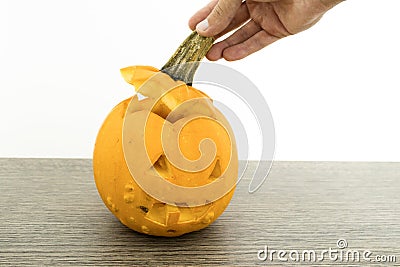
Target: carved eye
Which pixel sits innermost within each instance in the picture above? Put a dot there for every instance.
(216, 173)
(162, 167)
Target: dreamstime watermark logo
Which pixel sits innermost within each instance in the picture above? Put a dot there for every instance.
(340, 253)
(169, 115)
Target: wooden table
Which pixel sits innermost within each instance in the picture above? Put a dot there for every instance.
(52, 215)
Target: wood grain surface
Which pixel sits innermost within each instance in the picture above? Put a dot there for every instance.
(52, 215)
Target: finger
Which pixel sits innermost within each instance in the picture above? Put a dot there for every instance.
(241, 16)
(219, 18)
(241, 35)
(201, 14)
(255, 43)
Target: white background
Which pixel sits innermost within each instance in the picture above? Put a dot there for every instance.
(334, 90)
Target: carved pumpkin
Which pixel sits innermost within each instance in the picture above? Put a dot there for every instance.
(150, 163)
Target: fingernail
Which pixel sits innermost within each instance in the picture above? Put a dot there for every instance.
(202, 26)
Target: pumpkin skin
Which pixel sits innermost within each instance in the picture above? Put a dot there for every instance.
(146, 119)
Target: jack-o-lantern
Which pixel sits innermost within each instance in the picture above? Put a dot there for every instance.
(165, 160)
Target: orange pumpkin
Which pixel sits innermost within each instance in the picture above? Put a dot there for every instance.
(154, 165)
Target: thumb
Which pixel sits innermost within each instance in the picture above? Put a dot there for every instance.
(219, 18)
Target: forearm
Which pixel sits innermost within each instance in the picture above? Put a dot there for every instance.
(331, 3)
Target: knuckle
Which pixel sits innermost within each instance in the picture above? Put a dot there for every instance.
(219, 11)
(211, 6)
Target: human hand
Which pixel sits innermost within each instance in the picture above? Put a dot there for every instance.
(265, 21)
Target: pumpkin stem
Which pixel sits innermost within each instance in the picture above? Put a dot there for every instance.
(192, 50)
